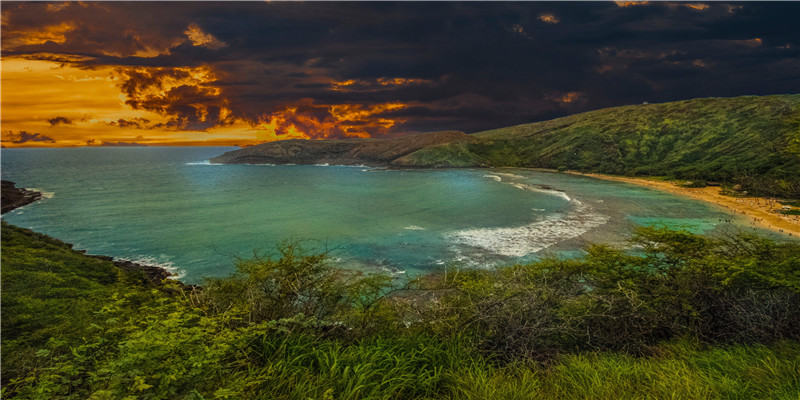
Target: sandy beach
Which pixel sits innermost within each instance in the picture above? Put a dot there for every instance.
(759, 210)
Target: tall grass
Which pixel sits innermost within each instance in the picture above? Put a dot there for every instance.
(413, 369)
(378, 368)
(474, 338)
(684, 371)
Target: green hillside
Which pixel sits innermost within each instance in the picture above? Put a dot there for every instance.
(752, 140)
(689, 317)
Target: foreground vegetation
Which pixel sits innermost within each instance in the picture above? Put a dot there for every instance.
(752, 141)
(683, 316)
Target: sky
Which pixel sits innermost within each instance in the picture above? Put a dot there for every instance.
(240, 73)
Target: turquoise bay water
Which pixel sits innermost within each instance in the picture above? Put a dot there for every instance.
(169, 206)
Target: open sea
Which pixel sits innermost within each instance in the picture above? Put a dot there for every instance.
(169, 206)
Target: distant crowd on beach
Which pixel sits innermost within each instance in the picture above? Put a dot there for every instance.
(766, 207)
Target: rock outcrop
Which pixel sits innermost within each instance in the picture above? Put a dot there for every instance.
(14, 197)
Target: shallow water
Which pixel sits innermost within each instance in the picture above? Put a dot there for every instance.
(169, 206)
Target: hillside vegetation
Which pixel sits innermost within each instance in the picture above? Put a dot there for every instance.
(373, 152)
(686, 317)
(752, 140)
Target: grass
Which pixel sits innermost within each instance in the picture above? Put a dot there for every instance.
(52, 293)
(75, 327)
(751, 140)
(685, 371)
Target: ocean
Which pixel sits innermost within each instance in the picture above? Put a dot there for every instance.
(169, 206)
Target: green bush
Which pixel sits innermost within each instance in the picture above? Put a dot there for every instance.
(752, 141)
(741, 289)
(301, 286)
(678, 315)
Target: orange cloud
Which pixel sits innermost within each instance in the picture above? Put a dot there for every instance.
(51, 33)
(671, 5)
(569, 97)
(307, 120)
(376, 84)
(56, 7)
(401, 81)
(697, 6)
(755, 42)
(358, 112)
(200, 38)
(48, 104)
(39, 97)
(186, 95)
(630, 3)
(341, 84)
(519, 30)
(548, 18)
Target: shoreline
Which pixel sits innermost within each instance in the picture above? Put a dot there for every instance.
(758, 210)
(152, 274)
(14, 197)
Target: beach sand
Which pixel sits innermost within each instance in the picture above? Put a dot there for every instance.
(759, 210)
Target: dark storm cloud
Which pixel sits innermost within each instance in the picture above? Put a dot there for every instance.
(466, 66)
(136, 123)
(184, 94)
(59, 120)
(25, 137)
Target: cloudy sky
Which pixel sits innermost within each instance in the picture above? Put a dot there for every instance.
(210, 73)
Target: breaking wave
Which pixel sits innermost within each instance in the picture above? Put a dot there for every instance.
(526, 239)
(206, 162)
(532, 188)
(510, 175)
(45, 194)
(169, 266)
(525, 186)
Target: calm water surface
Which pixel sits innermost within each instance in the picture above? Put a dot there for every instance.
(169, 206)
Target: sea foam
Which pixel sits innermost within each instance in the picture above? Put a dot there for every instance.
(522, 240)
(206, 162)
(526, 239)
(510, 175)
(45, 194)
(525, 186)
(169, 266)
(532, 188)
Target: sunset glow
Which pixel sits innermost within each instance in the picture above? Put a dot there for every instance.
(311, 121)
(128, 73)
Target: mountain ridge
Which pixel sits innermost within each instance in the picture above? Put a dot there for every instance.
(369, 151)
(752, 141)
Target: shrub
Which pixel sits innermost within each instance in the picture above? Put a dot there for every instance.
(738, 289)
(295, 326)
(299, 286)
